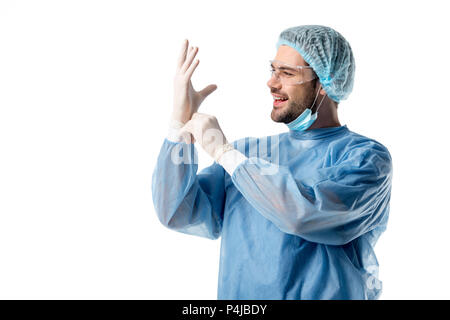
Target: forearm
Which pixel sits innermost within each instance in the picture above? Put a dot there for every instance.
(184, 200)
(271, 190)
(172, 178)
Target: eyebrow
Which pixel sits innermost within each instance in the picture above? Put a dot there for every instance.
(284, 68)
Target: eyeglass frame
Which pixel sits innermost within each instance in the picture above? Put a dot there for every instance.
(292, 67)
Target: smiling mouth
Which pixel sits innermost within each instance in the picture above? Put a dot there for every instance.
(279, 103)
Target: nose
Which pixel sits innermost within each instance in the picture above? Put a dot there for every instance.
(274, 82)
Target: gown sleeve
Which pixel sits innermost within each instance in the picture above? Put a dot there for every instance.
(332, 205)
(185, 201)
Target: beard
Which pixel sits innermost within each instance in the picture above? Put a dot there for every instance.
(295, 107)
(289, 113)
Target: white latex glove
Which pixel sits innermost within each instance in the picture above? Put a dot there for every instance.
(186, 99)
(206, 130)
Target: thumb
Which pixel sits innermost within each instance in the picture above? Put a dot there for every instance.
(187, 132)
(208, 90)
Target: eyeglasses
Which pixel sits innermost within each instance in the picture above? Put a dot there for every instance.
(291, 75)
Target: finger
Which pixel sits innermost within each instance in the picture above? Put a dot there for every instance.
(186, 133)
(192, 51)
(187, 127)
(191, 68)
(198, 115)
(208, 90)
(191, 126)
(190, 57)
(183, 52)
(188, 138)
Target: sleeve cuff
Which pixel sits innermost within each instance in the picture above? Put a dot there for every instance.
(230, 160)
(173, 133)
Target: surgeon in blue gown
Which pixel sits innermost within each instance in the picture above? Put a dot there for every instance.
(299, 213)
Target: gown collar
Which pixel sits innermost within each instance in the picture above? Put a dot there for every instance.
(319, 133)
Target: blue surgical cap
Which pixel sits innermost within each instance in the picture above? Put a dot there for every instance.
(328, 53)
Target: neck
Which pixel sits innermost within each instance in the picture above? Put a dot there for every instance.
(328, 116)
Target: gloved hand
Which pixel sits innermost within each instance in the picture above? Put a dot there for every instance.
(186, 99)
(206, 130)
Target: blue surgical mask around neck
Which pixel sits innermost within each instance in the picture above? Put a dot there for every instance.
(305, 119)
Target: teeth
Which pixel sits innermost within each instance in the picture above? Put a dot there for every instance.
(279, 98)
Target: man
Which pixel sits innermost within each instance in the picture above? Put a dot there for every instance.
(297, 222)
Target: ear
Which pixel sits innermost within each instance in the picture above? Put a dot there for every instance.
(322, 91)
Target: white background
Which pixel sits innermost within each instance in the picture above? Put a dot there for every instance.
(85, 98)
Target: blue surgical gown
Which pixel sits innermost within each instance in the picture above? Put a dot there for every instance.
(303, 229)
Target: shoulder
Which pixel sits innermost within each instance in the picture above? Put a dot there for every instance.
(367, 152)
(365, 144)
